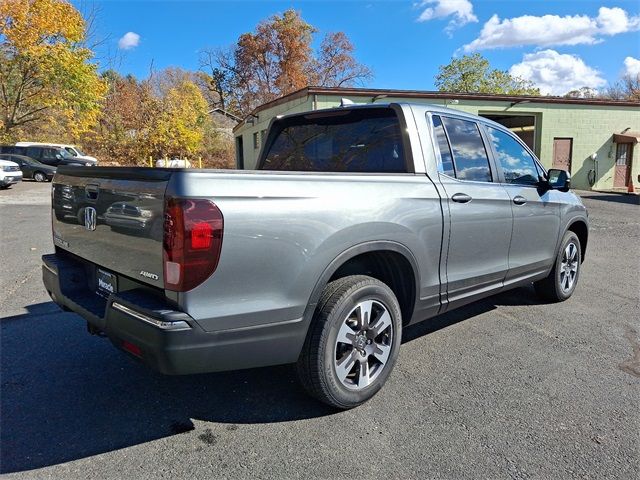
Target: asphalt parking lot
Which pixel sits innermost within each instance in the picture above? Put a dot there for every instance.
(505, 388)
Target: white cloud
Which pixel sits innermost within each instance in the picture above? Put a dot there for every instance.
(615, 20)
(556, 73)
(128, 41)
(549, 30)
(461, 12)
(631, 66)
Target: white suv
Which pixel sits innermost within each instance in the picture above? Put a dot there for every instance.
(10, 173)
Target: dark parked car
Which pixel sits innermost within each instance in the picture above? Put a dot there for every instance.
(135, 216)
(31, 168)
(48, 155)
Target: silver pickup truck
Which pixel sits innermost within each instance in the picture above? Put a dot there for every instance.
(359, 221)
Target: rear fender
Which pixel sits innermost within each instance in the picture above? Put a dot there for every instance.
(347, 255)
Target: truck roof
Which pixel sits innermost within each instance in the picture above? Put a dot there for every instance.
(425, 107)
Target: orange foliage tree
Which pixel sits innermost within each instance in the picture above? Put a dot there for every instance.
(277, 59)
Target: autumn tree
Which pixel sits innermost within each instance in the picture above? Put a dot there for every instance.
(179, 126)
(184, 124)
(582, 92)
(45, 71)
(215, 82)
(126, 122)
(277, 59)
(163, 116)
(473, 74)
(335, 65)
(628, 88)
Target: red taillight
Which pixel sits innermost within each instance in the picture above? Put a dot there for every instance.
(192, 242)
(201, 236)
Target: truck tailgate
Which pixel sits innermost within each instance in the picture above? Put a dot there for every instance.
(113, 217)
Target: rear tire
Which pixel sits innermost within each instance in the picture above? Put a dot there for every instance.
(561, 282)
(353, 342)
(80, 216)
(39, 177)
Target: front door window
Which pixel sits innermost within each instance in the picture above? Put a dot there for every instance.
(518, 166)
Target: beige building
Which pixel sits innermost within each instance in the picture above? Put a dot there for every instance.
(596, 140)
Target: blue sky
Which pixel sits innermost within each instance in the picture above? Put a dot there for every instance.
(557, 44)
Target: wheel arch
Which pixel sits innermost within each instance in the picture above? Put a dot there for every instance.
(388, 261)
(580, 228)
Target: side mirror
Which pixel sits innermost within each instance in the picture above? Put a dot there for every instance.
(58, 156)
(559, 179)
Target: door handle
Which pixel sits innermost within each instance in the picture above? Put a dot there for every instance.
(519, 200)
(91, 191)
(461, 198)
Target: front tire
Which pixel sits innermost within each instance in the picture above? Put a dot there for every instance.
(39, 177)
(353, 342)
(561, 282)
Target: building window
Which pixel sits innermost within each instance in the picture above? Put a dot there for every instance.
(263, 136)
(256, 140)
(622, 153)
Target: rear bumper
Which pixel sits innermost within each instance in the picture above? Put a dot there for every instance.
(165, 338)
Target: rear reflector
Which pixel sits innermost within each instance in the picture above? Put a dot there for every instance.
(172, 272)
(192, 242)
(132, 349)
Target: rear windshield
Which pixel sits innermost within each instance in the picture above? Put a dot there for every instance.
(358, 140)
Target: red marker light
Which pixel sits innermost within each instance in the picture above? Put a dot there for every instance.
(132, 349)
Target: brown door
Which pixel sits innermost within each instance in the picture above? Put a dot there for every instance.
(562, 148)
(623, 165)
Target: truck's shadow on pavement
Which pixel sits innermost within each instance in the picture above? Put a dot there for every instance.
(616, 198)
(67, 395)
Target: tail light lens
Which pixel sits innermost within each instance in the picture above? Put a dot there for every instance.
(192, 242)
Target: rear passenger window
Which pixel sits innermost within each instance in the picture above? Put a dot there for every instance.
(49, 154)
(33, 152)
(358, 140)
(469, 155)
(517, 164)
(446, 160)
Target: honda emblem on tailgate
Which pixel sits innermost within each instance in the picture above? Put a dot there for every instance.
(90, 218)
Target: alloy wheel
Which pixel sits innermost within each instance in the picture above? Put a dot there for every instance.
(363, 344)
(569, 267)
